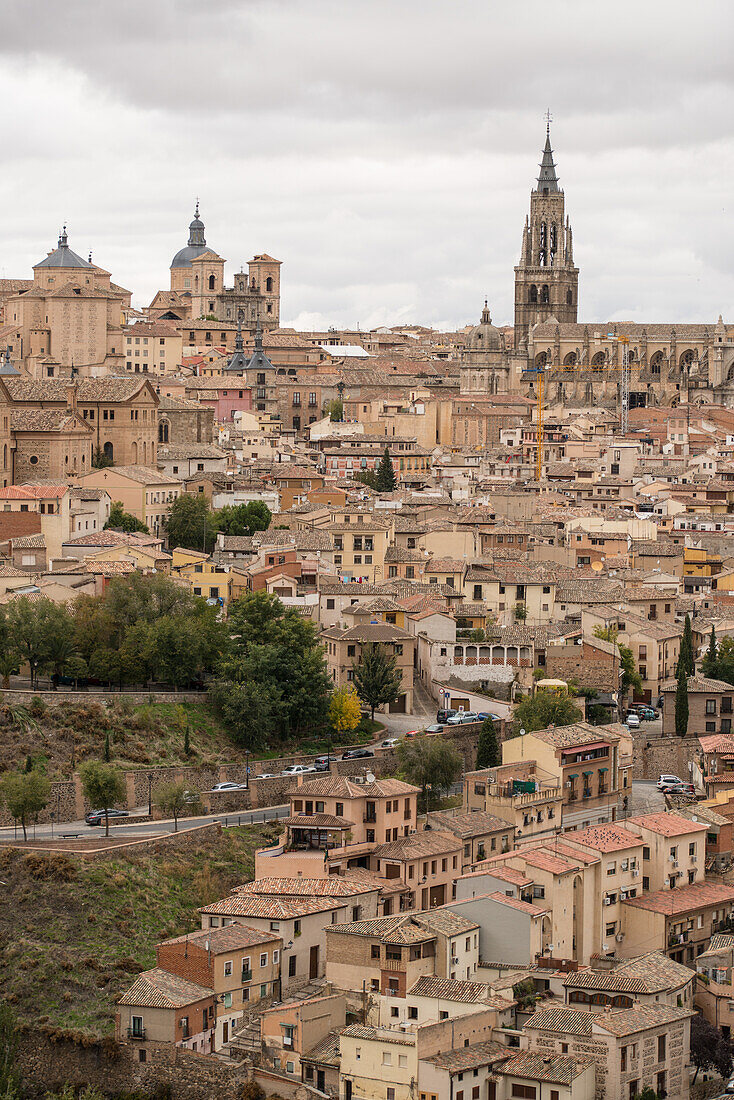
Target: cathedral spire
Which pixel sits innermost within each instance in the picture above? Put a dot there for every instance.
(547, 180)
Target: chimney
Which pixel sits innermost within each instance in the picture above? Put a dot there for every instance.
(71, 393)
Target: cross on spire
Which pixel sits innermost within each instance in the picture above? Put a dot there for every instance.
(196, 212)
(548, 119)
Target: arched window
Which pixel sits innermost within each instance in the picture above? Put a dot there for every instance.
(134, 453)
(599, 360)
(163, 431)
(570, 360)
(569, 297)
(196, 282)
(656, 363)
(533, 295)
(622, 1002)
(212, 282)
(544, 295)
(108, 450)
(269, 284)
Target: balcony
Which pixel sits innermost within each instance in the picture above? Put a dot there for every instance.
(136, 1033)
(392, 964)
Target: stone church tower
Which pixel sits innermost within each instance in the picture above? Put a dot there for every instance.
(546, 281)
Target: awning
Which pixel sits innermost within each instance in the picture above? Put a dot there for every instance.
(603, 769)
(574, 776)
(587, 773)
(586, 748)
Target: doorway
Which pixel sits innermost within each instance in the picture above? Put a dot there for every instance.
(313, 962)
(320, 1080)
(225, 1032)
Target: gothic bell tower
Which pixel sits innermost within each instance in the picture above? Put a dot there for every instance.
(546, 281)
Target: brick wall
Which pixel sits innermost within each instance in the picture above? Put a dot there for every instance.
(588, 666)
(188, 961)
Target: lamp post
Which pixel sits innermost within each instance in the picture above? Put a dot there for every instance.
(247, 769)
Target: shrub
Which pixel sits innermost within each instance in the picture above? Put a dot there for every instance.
(53, 868)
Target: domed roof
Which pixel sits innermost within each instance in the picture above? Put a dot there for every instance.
(485, 337)
(195, 247)
(63, 256)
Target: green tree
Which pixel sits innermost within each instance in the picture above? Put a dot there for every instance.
(544, 709)
(477, 635)
(681, 702)
(710, 660)
(344, 710)
(430, 763)
(120, 520)
(25, 794)
(686, 657)
(275, 662)
(103, 785)
(520, 611)
(37, 629)
(377, 678)
(367, 477)
(386, 481)
(488, 748)
(190, 524)
(243, 519)
(173, 799)
(336, 410)
(10, 657)
(100, 460)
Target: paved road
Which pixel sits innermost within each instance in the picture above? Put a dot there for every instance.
(147, 828)
(645, 798)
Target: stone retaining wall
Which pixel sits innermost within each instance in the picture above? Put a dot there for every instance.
(23, 697)
(47, 1062)
(652, 758)
(181, 842)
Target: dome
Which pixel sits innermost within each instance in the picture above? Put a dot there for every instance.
(195, 247)
(63, 256)
(485, 337)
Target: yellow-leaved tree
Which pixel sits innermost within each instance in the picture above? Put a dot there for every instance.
(344, 710)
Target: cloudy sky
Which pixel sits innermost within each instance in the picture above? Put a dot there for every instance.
(382, 149)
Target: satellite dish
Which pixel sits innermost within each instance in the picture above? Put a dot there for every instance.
(370, 777)
(597, 566)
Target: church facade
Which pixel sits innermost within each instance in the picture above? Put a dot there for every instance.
(582, 363)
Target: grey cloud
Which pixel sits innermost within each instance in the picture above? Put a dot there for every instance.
(384, 151)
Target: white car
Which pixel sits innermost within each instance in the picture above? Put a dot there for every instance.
(667, 781)
(229, 787)
(632, 722)
(462, 716)
(390, 743)
(267, 775)
(297, 769)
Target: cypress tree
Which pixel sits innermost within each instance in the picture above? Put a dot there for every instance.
(386, 481)
(488, 749)
(686, 648)
(710, 660)
(681, 702)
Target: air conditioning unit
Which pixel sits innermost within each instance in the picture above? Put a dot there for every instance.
(635, 874)
(287, 1041)
(454, 960)
(675, 862)
(666, 881)
(619, 937)
(607, 901)
(694, 859)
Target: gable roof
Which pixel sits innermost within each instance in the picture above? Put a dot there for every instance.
(159, 989)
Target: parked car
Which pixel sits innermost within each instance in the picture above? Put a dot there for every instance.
(411, 734)
(461, 717)
(267, 775)
(667, 780)
(390, 742)
(647, 714)
(96, 817)
(685, 789)
(322, 763)
(632, 721)
(444, 715)
(434, 728)
(298, 769)
(488, 714)
(228, 786)
(356, 754)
